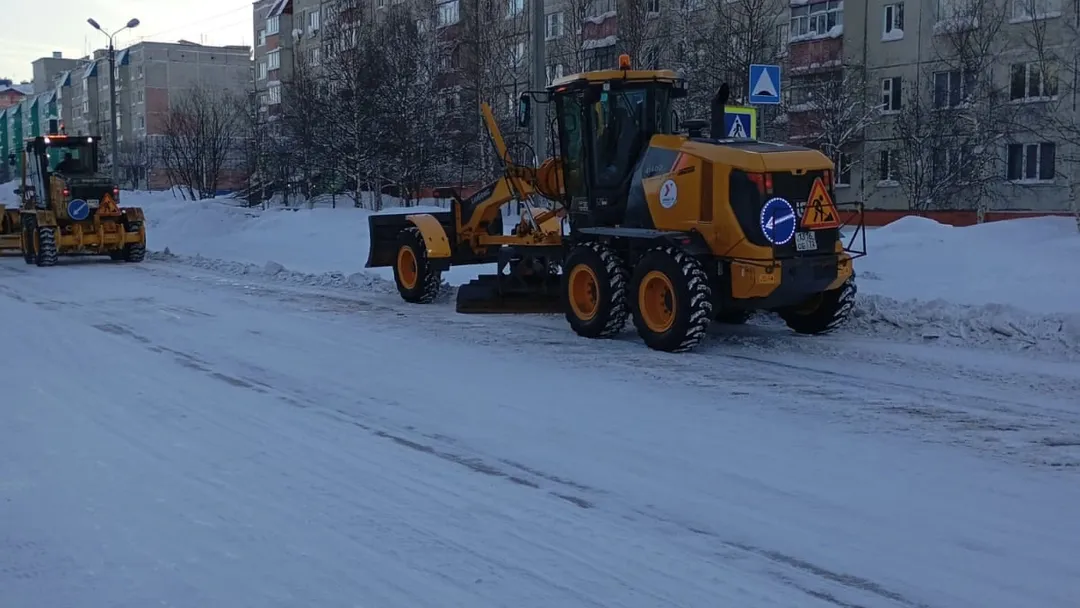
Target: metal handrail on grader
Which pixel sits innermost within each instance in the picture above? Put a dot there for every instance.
(68, 207)
(674, 230)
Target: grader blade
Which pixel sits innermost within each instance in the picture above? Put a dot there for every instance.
(489, 294)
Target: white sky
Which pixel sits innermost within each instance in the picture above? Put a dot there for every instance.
(37, 28)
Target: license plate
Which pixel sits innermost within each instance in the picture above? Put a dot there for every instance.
(805, 241)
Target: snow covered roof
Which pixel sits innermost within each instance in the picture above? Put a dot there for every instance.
(24, 89)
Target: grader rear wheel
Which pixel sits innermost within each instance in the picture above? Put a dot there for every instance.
(673, 300)
(594, 291)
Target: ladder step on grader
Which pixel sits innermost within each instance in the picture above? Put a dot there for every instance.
(668, 230)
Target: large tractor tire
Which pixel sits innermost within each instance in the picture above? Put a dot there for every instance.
(594, 291)
(29, 233)
(672, 301)
(46, 249)
(824, 312)
(132, 252)
(417, 281)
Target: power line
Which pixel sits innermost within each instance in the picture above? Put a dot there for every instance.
(246, 7)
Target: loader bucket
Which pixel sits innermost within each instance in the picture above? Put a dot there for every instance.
(488, 294)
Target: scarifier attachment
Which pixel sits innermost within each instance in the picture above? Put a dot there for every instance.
(524, 284)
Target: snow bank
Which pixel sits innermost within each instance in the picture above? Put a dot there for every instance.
(311, 242)
(1011, 285)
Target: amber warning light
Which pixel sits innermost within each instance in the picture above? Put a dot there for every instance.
(624, 62)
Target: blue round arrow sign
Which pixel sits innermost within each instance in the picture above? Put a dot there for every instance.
(778, 221)
(78, 209)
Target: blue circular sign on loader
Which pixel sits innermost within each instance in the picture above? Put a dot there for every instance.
(78, 209)
(778, 221)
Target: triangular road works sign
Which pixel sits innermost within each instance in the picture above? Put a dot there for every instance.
(820, 211)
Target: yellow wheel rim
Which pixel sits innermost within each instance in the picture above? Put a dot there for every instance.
(584, 292)
(406, 266)
(656, 301)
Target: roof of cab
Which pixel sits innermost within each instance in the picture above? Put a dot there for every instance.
(601, 76)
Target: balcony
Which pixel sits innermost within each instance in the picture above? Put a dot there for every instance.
(817, 55)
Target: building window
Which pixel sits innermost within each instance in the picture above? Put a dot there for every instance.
(890, 94)
(887, 166)
(448, 13)
(262, 37)
(843, 169)
(817, 19)
(272, 25)
(894, 21)
(951, 89)
(314, 56)
(652, 6)
(951, 165)
(1031, 81)
(517, 55)
(514, 7)
(262, 70)
(555, 71)
(601, 7)
(273, 60)
(1035, 9)
(1032, 162)
(313, 21)
(554, 27)
(273, 94)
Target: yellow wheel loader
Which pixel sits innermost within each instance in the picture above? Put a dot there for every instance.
(69, 208)
(10, 233)
(672, 230)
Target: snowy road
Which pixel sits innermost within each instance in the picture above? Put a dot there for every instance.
(175, 437)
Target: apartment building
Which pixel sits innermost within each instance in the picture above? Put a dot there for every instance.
(909, 52)
(147, 74)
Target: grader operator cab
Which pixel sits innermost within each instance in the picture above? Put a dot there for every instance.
(672, 230)
(68, 207)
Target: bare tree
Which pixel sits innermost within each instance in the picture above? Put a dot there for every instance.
(1053, 46)
(716, 41)
(830, 111)
(566, 36)
(947, 137)
(644, 31)
(202, 137)
(135, 162)
(305, 124)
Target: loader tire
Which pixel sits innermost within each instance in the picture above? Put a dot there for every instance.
(46, 250)
(672, 301)
(28, 233)
(133, 252)
(824, 312)
(417, 281)
(594, 291)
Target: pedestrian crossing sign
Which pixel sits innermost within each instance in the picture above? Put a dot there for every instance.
(740, 122)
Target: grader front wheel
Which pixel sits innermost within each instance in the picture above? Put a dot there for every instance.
(673, 300)
(417, 281)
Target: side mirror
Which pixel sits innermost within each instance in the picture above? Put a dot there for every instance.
(17, 191)
(524, 110)
(675, 126)
(11, 159)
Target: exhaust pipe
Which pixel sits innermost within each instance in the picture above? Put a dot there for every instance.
(718, 114)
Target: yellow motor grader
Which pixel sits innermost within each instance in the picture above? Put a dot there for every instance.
(68, 207)
(673, 230)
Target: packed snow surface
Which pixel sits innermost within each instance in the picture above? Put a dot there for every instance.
(254, 419)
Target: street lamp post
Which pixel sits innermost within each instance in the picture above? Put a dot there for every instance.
(113, 152)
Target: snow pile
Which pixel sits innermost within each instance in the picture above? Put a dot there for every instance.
(1011, 285)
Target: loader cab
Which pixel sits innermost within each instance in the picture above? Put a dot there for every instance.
(605, 122)
(56, 158)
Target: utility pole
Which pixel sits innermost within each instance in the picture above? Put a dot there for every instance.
(539, 79)
(114, 113)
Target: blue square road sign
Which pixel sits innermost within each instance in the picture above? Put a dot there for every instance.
(764, 84)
